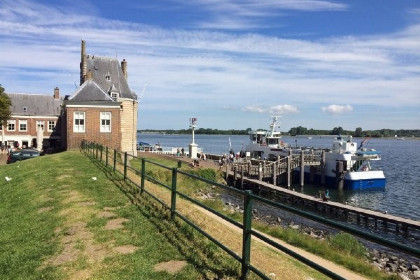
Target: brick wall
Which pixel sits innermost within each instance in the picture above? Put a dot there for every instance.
(129, 126)
(92, 128)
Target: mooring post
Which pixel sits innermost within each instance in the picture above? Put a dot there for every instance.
(289, 170)
(323, 168)
(302, 168)
(260, 171)
(242, 177)
(274, 173)
(339, 173)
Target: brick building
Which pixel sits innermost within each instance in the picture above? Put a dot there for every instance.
(35, 121)
(102, 109)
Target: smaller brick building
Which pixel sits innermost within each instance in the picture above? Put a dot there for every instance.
(31, 113)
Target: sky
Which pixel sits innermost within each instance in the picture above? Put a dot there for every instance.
(230, 63)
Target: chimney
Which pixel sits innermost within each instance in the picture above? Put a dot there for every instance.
(83, 64)
(56, 93)
(124, 68)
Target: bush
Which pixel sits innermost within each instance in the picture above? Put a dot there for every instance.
(347, 243)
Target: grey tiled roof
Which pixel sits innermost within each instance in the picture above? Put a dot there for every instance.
(90, 91)
(35, 104)
(106, 73)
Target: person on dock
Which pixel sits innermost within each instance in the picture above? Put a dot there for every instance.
(326, 196)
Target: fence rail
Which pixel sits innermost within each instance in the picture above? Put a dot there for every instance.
(100, 153)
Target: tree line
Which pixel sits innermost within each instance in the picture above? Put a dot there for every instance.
(300, 130)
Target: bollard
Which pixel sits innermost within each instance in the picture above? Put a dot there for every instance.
(302, 168)
(339, 174)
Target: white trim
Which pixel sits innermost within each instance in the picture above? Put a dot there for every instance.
(33, 117)
(93, 106)
(107, 116)
(23, 122)
(48, 126)
(79, 128)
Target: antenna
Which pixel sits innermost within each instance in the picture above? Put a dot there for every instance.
(143, 90)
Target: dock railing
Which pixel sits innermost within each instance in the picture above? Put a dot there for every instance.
(119, 162)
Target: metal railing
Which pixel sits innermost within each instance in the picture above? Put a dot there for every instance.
(97, 151)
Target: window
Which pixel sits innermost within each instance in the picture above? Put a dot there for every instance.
(11, 125)
(23, 125)
(79, 122)
(114, 96)
(105, 122)
(25, 109)
(51, 126)
(39, 124)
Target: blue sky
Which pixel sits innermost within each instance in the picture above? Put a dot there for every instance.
(230, 63)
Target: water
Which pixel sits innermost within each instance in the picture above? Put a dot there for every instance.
(400, 163)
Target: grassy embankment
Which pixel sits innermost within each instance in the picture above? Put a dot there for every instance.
(58, 222)
(341, 248)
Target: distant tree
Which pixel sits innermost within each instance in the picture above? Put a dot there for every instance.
(337, 131)
(358, 132)
(5, 104)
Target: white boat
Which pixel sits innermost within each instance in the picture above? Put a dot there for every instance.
(357, 170)
(267, 144)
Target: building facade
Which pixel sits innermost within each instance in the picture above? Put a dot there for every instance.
(103, 109)
(35, 121)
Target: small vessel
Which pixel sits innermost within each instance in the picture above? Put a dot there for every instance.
(267, 144)
(357, 170)
(356, 160)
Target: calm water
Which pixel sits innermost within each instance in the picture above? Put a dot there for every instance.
(400, 163)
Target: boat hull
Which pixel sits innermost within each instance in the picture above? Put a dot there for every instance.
(368, 180)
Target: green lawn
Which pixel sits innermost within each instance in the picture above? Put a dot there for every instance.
(63, 217)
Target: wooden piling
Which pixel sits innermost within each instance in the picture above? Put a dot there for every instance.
(339, 173)
(302, 169)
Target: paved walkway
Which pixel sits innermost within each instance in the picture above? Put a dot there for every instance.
(3, 158)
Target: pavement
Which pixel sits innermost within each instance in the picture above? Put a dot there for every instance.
(3, 158)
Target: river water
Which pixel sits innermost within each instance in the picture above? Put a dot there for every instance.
(400, 163)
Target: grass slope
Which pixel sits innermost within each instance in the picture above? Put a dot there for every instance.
(63, 218)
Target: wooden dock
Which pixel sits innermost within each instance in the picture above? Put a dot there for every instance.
(365, 217)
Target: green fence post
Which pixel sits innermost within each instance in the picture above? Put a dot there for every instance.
(106, 156)
(97, 150)
(125, 166)
(102, 148)
(143, 173)
(246, 236)
(173, 192)
(179, 164)
(115, 159)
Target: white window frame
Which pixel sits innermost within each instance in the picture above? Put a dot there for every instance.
(38, 123)
(23, 122)
(115, 96)
(105, 122)
(79, 121)
(11, 123)
(51, 126)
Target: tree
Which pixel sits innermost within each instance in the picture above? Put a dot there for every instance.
(5, 104)
(337, 131)
(358, 132)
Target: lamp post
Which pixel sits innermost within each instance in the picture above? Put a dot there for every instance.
(193, 146)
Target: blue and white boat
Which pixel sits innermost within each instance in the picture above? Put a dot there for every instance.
(357, 170)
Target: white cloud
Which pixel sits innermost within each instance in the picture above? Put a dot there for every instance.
(337, 109)
(273, 110)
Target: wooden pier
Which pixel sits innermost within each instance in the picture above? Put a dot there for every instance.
(364, 217)
(283, 167)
